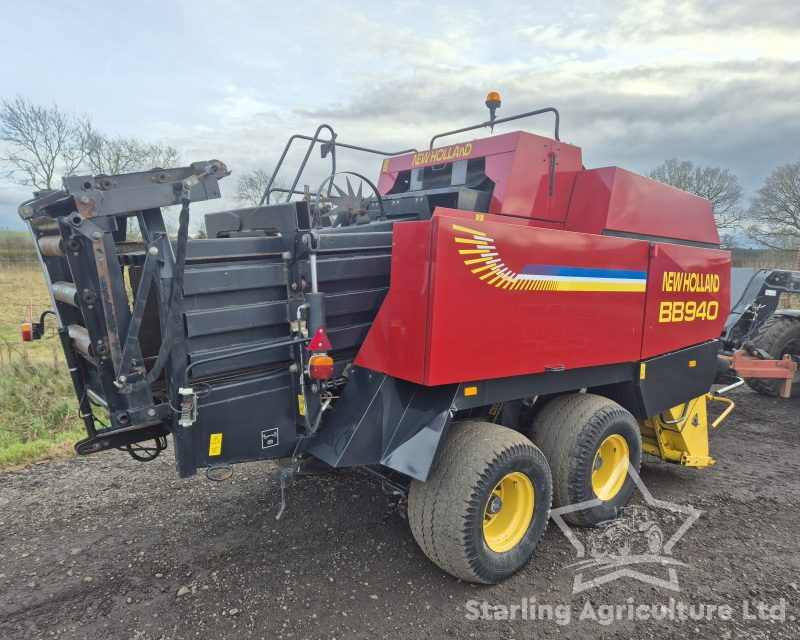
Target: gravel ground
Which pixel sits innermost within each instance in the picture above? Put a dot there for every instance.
(105, 547)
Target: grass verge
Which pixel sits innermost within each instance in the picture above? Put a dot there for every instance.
(38, 413)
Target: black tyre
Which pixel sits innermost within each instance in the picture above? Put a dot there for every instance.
(588, 441)
(778, 336)
(486, 503)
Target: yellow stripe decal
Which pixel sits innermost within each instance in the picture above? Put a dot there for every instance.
(483, 268)
(476, 260)
(457, 227)
(493, 270)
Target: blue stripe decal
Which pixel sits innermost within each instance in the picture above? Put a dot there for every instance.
(579, 272)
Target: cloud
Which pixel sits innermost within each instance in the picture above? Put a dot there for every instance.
(636, 116)
(635, 81)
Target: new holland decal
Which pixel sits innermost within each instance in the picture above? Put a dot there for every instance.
(484, 260)
(442, 154)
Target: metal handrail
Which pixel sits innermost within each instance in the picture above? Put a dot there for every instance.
(328, 145)
(491, 123)
(313, 140)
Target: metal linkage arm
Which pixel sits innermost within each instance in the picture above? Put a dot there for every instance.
(125, 193)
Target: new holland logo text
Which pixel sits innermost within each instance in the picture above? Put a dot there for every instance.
(483, 259)
(442, 154)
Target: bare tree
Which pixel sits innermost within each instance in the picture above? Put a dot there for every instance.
(41, 143)
(717, 185)
(251, 187)
(775, 210)
(105, 155)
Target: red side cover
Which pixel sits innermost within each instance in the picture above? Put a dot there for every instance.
(477, 296)
(621, 202)
(688, 297)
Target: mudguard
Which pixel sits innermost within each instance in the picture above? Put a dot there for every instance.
(380, 419)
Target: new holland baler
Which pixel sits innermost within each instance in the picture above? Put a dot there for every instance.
(491, 328)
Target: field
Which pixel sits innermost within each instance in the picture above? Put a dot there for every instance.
(38, 412)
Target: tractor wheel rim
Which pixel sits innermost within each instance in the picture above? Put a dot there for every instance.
(508, 512)
(610, 467)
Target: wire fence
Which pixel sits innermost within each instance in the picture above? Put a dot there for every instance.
(16, 249)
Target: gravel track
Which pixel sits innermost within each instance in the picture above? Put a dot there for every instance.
(105, 547)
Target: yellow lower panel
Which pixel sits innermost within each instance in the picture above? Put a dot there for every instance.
(679, 434)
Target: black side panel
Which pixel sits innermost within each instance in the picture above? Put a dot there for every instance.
(279, 219)
(383, 420)
(230, 306)
(254, 418)
(672, 379)
(485, 392)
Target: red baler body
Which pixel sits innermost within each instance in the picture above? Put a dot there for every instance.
(570, 268)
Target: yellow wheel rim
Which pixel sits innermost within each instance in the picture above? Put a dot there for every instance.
(508, 512)
(610, 467)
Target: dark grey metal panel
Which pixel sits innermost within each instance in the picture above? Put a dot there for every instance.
(237, 318)
(230, 306)
(230, 248)
(348, 337)
(242, 297)
(283, 218)
(240, 339)
(216, 277)
(353, 302)
(241, 411)
(356, 266)
(516, 387)
(238, 360)
(384, 420)
(670, 380)
(354, 241)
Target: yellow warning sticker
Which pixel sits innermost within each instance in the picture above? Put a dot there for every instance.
(215, 444)
(301, 406)
(642, 370)
(385, 166)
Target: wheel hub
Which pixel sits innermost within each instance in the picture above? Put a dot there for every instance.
(610, 467)
(495, 504)
(508, 512)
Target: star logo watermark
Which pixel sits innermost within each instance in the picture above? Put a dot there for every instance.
(633, 545)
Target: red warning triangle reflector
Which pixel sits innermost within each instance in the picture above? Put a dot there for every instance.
(320, 341)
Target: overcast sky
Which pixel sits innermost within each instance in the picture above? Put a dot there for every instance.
(636, 82)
